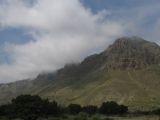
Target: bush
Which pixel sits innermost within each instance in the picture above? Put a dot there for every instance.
(157, 112)
(30, 107)
(74, 108)
(112, 108)
(2, 109)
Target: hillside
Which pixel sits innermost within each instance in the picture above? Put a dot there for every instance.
(128, 72)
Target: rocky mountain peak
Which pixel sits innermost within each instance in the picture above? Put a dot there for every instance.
(132, 52)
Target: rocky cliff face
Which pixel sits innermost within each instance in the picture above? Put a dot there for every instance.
(132, 53)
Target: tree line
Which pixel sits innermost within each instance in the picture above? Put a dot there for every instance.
(31, 107)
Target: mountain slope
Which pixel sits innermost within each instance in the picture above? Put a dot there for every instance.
(128, 72)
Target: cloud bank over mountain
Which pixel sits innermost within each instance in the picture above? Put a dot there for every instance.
(63, 31)
(66, 31)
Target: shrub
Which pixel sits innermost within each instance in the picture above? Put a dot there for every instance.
(112, 108)
(30, 107)
(157, 112)
(74, 108)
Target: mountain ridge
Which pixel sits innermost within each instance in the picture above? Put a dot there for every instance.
(133, 80)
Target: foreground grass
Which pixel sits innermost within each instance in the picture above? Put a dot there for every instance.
(97, 117)
(110, 118)
(137, 118)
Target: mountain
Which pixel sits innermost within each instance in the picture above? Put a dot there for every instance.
(127, 72)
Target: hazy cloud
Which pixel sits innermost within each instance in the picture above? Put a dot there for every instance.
(64, 31)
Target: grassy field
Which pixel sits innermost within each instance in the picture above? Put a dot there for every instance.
(137, 118)
(110, 118)
(98, 117)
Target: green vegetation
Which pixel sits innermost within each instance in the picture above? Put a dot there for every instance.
(29, 107)
(83, 116)
(112, 108)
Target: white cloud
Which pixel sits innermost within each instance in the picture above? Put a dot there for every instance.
(64, 31)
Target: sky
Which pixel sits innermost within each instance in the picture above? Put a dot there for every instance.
(38, 36)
